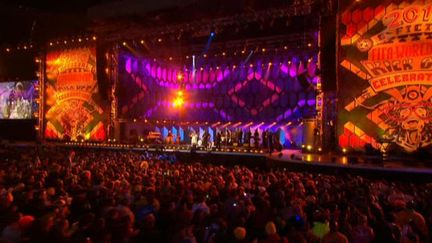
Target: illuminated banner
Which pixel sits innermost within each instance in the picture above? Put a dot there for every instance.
(385, 84)
(73, 108)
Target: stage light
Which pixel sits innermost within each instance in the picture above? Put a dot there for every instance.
(250, 65)
(303, 146)
(65, 42)
(319, 149)
(50, 43)
(243, 52)
(270, 63)
(212, 34)
(94, 37)
(124, 43)
(285, 47)
(344, 150)
(309, 147)
(223, 53)
(263, 50)
(309, 44)
(25, 47)
(170, 58)
(159, 39)
(205, 55)
(7, 50)
(179, 93)
(187, 57)
(178, 102)
(79, 39)
(234, 66)
(179, 76)
(134, 120)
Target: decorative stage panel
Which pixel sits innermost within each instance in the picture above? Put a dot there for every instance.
(385, 75)
(73, 109)
(277, 89)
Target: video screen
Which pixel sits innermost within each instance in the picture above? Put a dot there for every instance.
(17, 100)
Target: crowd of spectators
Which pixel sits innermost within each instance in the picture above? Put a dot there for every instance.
(61, 195)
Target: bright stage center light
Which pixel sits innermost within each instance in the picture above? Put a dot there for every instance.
(178, 102)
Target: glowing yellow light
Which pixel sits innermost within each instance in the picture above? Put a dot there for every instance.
(309, 147)
(178, 102)
(344, 150)
(179, 76)
(142, 41)
(124, 43)
(180, 93)
(94, 37)
(79, 39)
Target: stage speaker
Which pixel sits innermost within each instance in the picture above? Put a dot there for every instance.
(328, 52)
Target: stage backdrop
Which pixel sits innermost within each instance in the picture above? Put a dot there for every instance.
(73, 109)
(273, 89)
(385, 74)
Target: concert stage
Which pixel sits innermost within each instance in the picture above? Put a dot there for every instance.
(396, 168)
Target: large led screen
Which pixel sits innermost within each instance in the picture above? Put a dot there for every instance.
(269, 89)
(385, 70)
(73, 108)
(18, 100)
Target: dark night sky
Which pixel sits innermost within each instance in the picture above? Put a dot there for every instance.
(33, 20)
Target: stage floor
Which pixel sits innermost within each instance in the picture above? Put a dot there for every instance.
(288, 158)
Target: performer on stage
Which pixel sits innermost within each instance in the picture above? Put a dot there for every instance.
(218, 140)
(240, 137)
(170, 138)
(270, 140)
(265, 139)
(248, 136)
(206, 139)
(178, 138)
(194, 138)
(256, 139)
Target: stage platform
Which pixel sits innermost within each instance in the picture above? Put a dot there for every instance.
(290, 159)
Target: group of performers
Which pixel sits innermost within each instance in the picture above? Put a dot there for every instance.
(229, 138)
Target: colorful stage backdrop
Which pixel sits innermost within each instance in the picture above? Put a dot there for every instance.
(273, 89)
(73, 109)
(385, 75)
